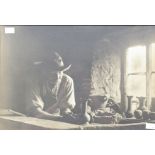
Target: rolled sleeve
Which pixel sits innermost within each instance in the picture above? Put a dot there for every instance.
(33, 100)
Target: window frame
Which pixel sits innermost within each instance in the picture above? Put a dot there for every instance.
(149, 72)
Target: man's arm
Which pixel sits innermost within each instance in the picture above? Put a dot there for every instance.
(35, 104)
(66, 96)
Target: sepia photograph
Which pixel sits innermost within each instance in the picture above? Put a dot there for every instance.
(77, 77)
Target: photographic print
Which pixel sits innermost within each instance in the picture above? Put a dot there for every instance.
(77, 77)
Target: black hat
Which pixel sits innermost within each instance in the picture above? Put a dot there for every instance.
(54, 62)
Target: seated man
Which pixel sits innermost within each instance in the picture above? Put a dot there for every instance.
(52, 91)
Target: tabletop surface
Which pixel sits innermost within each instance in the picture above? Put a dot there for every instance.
(10, 119)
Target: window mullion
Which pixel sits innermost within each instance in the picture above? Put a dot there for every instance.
(148, 75)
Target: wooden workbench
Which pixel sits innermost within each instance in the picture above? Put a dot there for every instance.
(12, 120)
(30, 123)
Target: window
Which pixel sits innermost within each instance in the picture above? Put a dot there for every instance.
(140, 71)
(136, 71)
(152, 64)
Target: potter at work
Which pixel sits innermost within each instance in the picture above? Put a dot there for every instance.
(52, 95)
(51, 85)
(67, 77)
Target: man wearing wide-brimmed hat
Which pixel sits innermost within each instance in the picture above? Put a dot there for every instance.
(52, 91)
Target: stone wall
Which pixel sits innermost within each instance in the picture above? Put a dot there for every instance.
(105, 72)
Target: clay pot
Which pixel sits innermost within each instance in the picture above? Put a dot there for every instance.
(152, 115)
(98, 102)
(129, 112)
(138, 114)
(146, 114)
(142, 101)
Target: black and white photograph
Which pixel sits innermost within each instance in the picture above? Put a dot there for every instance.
(77, 77)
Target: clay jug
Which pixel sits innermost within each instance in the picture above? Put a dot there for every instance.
(86, 118)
